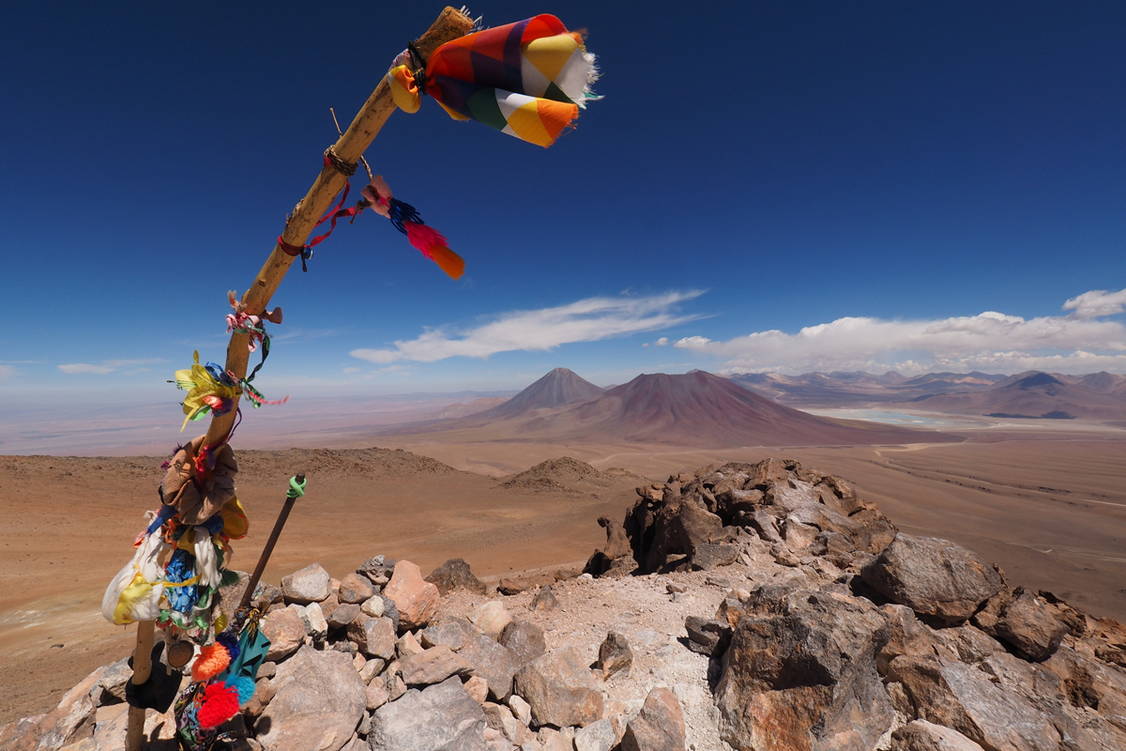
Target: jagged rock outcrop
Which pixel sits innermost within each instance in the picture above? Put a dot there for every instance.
(698, 521)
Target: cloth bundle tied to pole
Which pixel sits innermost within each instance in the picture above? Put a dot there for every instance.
(449, 25)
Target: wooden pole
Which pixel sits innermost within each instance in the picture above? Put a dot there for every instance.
(449, 25)
(263, 559)
(142, 669)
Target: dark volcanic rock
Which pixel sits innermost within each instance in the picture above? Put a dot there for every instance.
(1026, 624)
(933, 577)
(614, 654)
(805, 677)
(455, 574)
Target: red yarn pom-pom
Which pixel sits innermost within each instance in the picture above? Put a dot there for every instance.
(220, 703)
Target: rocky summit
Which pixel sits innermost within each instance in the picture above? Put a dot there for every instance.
(754, 607)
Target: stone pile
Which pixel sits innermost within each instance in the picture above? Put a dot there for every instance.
(363, 663)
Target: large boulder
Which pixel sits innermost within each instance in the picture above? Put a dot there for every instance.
(319, 700)
(455, 574)
(560, 688)
(491, 661)
(1027, 624)
(415, 598)
(442, 717)
(658, 727)
(956, 695)
(939, 580)
(310, 584)
(800, 673)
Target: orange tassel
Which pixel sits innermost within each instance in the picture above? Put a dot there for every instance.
(213, 659)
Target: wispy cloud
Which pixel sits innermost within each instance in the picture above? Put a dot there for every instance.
(104, 367)
(1097, 303)
(1078, 342)
(6, 371)
(588, 320)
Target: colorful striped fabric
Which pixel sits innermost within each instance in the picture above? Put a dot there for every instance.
(527, 79)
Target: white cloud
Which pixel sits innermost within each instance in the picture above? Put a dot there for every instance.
(6, 371)
(104, 367)
(588, 320)
(1097, 303)
(662, 342)
(987, 341)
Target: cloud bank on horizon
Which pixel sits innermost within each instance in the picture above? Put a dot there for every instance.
(1077, 342)
(1080, 340)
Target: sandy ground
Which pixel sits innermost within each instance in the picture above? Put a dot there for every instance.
(1051, 510)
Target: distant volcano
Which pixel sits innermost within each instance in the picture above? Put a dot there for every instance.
(558, 388)
(699, 408)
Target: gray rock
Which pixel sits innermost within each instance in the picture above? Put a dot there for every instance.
(709, 555)
(933, 577)
(310, 584)
(560, 689)
(442, 717)
(355, 588)
(430, 666)
(544, 600)
(524, 639)
(373, 606)
(492, 661)
(318, 702)
(455, 574)
(707, 636)
(343, 616)
(315, 620)
(597, 736)
(374, 636)
(614, 654)
(452, 631)
(658, 727)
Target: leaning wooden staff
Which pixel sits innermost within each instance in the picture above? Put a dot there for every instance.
(528, 79)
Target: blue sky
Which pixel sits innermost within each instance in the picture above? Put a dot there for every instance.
(785, 185)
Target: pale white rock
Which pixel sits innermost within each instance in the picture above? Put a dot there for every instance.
(491, 617)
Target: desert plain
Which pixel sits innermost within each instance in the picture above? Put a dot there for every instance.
(1045, 502)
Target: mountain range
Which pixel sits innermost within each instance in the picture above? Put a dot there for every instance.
(1032, 394)
(695, 409)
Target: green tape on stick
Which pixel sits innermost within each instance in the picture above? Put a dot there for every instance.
(296, 487)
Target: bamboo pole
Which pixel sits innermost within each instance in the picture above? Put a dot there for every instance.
(449, 25)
